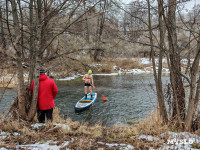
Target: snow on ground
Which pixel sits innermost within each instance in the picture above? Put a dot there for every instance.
(168, 140)
(146, 70)
(118, 71)
(144, 61)
(106, 74)
(124, 146)
(118, 146)
(56, 125)
(179, 141)
(70, 78)
(3, 135)
(94, 65)
(164, 60)
(49, 145)
(2, 148)
(147, 60)
(148, 138)
(16, 134)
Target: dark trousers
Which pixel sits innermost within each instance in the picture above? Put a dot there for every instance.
(42, 113)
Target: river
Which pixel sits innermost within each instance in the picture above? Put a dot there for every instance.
(130, 98)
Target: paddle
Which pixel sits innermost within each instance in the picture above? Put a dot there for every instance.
(105, 99)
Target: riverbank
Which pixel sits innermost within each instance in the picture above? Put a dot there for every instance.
(66, 134)
(124, 66)
(120, 66)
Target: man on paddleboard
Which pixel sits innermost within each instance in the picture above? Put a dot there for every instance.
(88, 80)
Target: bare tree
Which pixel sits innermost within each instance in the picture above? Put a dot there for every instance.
(157, 76)
(3, 41)
(31, 37)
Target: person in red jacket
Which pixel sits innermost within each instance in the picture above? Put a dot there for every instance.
(46, 95)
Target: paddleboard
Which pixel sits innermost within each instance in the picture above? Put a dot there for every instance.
(86, 103)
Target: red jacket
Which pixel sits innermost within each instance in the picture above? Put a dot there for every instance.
(47, 92)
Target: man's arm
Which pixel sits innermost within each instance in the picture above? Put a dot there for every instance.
(92, 81)
(83, 78)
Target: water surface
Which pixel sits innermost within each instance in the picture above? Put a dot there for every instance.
(130, 97)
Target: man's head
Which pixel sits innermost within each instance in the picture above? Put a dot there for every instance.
(42, 71)
(89, 71)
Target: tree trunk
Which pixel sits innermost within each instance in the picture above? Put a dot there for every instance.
(86, 24)
(193, 100)
(20, 74)
(159, 81)
(175, 74)
(32, 58)
(160, 98)
(100, 25)
(3, 41)
(33, 107)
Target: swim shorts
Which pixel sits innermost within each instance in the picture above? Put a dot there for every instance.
(87, 84)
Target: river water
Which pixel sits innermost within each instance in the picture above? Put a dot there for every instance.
(130, 98)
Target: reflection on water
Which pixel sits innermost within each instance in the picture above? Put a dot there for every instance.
(130, 97)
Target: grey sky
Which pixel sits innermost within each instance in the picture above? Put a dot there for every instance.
(188, 5)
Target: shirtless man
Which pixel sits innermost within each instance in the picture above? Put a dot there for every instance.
(88, 80)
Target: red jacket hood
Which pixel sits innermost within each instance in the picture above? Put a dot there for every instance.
(43, 77)
(47, 92)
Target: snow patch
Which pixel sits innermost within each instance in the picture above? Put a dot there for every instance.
(144, 61)
(3, 135)
(120, 146)
(115, 67)
(182, 135)
(16, 134)
(38, 125)
(70, 78)
(112, 145)
(2, 148)
(100, 142)
(138, 71)
(56, 125)
(124, 146)
(44, 146)
(94, 65)
(164, 60)
(63, 126)
(148, 138)
(182, 140)
(106, 74)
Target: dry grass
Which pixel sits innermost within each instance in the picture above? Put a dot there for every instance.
(130, 64)
(105, 68)
(83, 133)
(152, 125)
